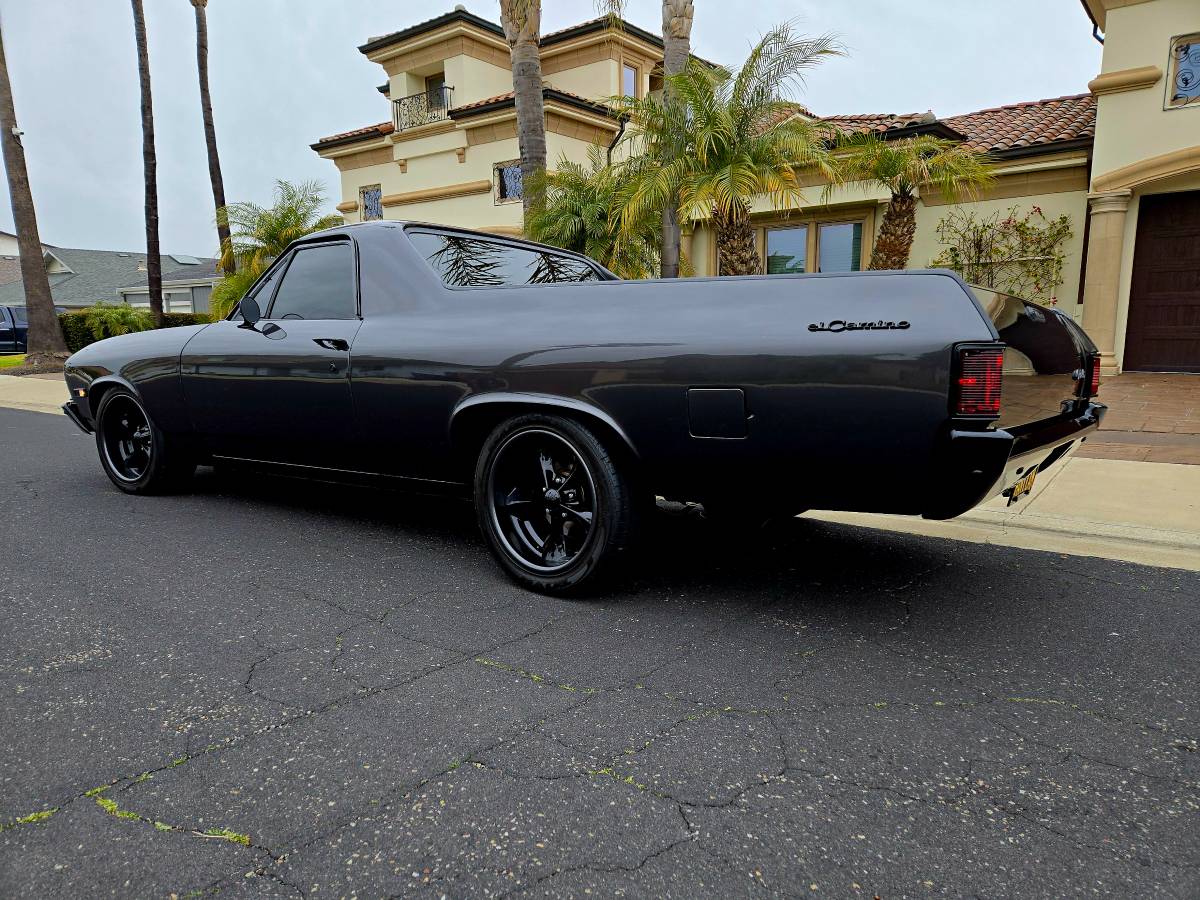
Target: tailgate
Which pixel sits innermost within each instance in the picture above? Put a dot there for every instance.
(1046, 357)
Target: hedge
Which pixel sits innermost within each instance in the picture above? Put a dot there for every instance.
(77, 334)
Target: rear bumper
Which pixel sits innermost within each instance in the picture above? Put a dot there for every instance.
(71, 408)
(976, 466)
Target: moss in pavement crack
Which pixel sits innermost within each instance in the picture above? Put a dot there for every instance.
(31, 819)
(111, 807)
(531, 676)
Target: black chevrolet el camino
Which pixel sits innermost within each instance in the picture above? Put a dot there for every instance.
(565, 399)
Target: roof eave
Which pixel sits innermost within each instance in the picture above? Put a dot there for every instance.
(548, 93)
(1084, 143)
(458, 15)
(1096, 12)
(320, 146)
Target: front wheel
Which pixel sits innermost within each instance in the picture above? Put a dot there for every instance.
(554, 505)
(135, 454)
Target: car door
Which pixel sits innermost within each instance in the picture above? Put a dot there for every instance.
(280, 391)
(8, 334)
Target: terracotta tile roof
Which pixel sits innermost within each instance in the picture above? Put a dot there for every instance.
(1001, 129)
(1022, 125)
(547, 91)
(879, 123)
(497, 99)
(358, 134)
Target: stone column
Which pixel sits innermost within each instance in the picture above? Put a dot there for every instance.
(1102, 281)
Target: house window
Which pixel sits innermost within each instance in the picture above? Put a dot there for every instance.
(370, 199)
(814, 246)
(629, 81)
(1183, 72)
(787, 250)
(839, 247)
(508, 182)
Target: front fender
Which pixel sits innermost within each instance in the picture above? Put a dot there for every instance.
(146, 362)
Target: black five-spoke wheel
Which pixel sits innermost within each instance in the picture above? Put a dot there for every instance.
(136, 456)
(126, 438)
(553, 503)
(543, 499)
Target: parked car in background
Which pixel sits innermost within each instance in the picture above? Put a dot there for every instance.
(14, 328)
(563, 400)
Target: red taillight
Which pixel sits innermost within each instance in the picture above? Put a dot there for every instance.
(977, 382)
(1088, 382)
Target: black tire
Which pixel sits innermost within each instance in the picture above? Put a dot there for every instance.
(537, 479)
(136, 455)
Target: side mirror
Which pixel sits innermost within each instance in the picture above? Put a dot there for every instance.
(250, 312)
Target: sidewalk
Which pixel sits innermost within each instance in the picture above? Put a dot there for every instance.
(39, 393)
(1142, 512)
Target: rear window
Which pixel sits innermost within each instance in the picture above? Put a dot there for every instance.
(468, 261)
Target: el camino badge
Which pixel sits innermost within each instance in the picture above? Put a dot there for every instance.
(837, 326)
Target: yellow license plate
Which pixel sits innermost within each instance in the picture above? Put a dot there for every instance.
(1024, 486)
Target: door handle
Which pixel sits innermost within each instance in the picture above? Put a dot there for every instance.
(332, 343)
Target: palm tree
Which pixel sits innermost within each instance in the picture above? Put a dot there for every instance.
(259, 235)
(677, 18)
(903, 167)
(577, 215)
(522, 21)
(723, 138)
(45, 342)
(210, 132)
(150, 166)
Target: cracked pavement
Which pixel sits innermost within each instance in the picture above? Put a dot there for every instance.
(269, 688)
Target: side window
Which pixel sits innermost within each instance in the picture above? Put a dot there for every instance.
(318, 284)
(261, 293)
(465, 261)
(20, 316)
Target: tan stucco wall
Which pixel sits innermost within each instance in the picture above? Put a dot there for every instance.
(473, 79)
(1132, 125)
(1073, 204)
(595, 80)
(432, 164)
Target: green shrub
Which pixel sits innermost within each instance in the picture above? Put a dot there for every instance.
(106, 320)
(79, 328)
(176, 320)
(75, 331)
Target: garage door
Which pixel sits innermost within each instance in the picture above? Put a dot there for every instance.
(1163, 333)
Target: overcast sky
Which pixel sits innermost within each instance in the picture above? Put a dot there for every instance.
(286, 72)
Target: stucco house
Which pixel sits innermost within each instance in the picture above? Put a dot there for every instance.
(1121, 161)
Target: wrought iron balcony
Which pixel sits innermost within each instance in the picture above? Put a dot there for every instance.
(423, 108)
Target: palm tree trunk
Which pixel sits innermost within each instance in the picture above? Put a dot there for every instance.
(736, 250)
(894, 243)
(522, 20)
(677, 18)
(210, 137)
(45, 342)
(150, 164)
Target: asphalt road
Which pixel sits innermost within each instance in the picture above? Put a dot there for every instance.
(273, 689)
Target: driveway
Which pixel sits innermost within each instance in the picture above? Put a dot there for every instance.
(273, 689)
